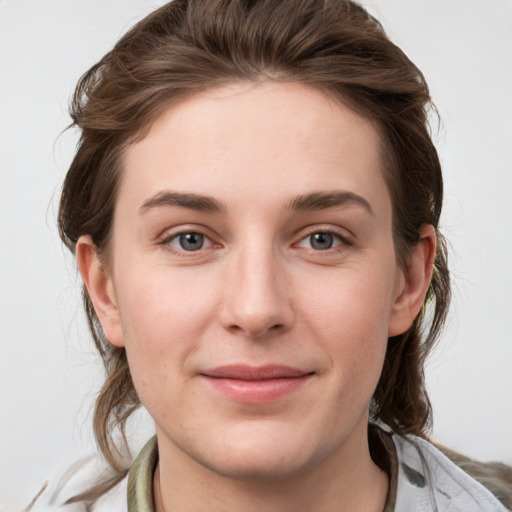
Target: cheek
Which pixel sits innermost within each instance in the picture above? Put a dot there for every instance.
(157, 302)
(163, 317)
(351, 302)
(349, 313)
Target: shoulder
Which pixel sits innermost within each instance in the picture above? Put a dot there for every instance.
(92, 486)
(428, 481)
(55, 496)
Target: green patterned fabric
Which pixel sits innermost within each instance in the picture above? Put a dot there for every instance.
(140, 479)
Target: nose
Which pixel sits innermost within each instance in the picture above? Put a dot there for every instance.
(256, 296)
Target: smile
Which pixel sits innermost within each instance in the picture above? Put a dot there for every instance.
(256, 385)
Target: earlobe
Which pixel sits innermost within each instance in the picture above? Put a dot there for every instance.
(100, 288)
(415, 282)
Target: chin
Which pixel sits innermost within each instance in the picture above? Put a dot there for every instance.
(260, 454)
(257, 466)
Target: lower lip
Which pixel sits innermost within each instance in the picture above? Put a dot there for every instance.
(257, 391)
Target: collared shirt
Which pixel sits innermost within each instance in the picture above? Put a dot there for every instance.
(140, 477)
(421, 479)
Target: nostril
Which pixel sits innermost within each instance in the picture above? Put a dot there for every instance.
(255, 333)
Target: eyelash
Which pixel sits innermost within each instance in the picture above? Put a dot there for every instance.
(342, 241)
(167, 242)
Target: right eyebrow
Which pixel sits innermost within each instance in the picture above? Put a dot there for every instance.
(197, 202)
(324, 200)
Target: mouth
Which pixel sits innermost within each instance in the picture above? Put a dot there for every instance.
(256, 385)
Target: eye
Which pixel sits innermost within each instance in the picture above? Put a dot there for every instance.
(189, 242)
(321, 241)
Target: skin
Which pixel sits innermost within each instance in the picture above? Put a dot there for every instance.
(258, 292)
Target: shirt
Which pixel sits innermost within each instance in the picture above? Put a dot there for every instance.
(421, 479)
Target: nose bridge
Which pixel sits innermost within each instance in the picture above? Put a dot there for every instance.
(256, 300)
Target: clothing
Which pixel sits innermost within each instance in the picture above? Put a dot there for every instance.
(429, 481)
(422, 479)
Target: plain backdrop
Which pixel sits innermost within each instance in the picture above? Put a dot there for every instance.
(49, 372)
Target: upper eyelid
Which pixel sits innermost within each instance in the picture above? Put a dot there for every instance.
(172, 232)
(171, 237)
(343, 240)
(165, 243)
(209, 242)
(343, 233)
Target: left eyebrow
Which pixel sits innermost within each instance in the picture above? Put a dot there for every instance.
(168, 198)
(325, 200)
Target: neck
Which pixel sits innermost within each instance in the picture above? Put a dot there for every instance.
(346, 480)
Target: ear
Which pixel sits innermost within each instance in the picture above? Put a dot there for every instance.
(100, 286)
(414, 283)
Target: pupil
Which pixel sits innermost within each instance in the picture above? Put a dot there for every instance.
(321, 241)
(191, 241)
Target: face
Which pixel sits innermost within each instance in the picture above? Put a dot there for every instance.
(253, 278)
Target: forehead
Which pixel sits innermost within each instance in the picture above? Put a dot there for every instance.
(256, 139)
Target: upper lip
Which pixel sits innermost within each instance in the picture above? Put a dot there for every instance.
(247, 372)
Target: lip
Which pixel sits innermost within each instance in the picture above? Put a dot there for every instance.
(256, 385)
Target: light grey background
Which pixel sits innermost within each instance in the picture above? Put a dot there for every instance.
(48, 370)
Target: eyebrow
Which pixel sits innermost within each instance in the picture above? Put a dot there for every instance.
(185, 200)
(306, 202)
(324, 200)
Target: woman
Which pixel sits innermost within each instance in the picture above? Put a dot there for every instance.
(254, 209)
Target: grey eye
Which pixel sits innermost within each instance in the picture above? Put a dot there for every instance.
(321, 241)
(191, 241)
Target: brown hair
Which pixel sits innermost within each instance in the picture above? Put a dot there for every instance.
(187, 46)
